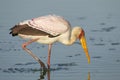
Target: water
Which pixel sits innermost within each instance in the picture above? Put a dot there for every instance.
(100, 20)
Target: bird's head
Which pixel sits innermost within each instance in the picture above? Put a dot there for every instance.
(80, 34)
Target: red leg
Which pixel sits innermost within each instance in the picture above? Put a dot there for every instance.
(49, 54)
(29, 52)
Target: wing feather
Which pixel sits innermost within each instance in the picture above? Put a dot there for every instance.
(52, 24)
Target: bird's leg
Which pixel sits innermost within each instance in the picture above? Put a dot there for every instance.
(49, 54)
(29, 52)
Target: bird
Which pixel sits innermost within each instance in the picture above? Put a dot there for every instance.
(49, 29)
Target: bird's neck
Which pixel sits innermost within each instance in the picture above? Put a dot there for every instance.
(73, 37)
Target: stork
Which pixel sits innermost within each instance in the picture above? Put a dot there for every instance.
(48, 30)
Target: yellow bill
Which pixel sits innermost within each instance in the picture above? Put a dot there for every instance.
(84, 45)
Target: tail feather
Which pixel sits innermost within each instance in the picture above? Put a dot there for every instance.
(16, 29)
(13, 34)
(13, 31)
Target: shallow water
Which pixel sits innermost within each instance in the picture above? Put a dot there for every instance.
(100, 20)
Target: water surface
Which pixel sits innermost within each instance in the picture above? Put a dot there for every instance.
(100, 20)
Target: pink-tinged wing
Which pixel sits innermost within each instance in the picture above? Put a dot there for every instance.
(51, 24)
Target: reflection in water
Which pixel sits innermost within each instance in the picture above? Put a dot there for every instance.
(43, 74)
(88, 76)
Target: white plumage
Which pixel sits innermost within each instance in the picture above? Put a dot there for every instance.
(51, 24)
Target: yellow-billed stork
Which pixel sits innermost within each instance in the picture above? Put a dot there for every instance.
(47, 30)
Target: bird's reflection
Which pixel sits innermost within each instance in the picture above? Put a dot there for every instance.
(46, 73)
(88, 76)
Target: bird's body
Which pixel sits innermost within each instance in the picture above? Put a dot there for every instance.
(47, 30)
(52, 26)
